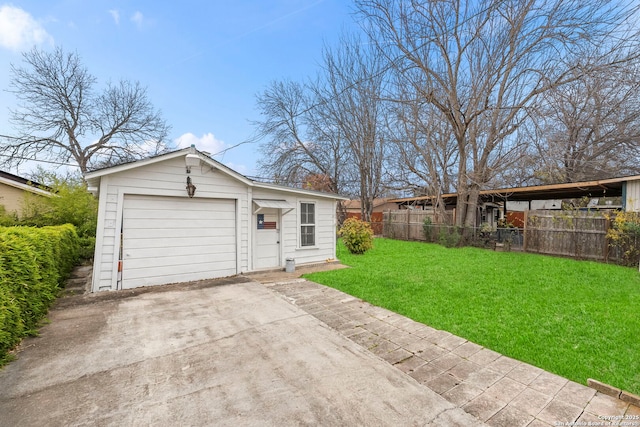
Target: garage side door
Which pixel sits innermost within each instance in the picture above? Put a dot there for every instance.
(172, 239)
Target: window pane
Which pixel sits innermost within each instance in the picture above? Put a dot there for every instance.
(307, 227)
(307, 213)
(307, 235)
(311, 217)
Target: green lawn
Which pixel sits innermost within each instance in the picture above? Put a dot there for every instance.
(577, 319)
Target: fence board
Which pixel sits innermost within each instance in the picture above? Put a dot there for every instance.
(572, 234)
(408, 224)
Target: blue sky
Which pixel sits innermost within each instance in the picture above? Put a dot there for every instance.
(202, 61)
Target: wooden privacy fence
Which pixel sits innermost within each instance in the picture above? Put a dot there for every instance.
(575, 234)
(408, 224)
(376, 221)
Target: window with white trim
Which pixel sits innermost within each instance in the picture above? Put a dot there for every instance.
(307, 224)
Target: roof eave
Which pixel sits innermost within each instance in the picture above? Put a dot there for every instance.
(133, 165)
(302, 191)
(25, 187)
(93, 178)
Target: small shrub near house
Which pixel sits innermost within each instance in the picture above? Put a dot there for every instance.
(7, 219)
(427, 228)
(450, 237)
(624, 237)
(34, 262)
(72, 204)
(356, 235)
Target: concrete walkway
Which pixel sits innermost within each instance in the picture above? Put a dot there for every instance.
(496, 389)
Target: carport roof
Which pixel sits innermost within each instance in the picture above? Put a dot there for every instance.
(611, 187)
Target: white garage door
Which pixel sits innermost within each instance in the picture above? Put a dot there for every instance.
(173, 239)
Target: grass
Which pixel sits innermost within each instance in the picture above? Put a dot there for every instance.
(577, 319)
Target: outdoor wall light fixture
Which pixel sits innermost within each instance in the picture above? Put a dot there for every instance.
(191, 160)
(191, 189)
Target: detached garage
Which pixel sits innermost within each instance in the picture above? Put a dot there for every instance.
(183, 216)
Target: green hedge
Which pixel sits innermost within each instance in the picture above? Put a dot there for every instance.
(34, 262)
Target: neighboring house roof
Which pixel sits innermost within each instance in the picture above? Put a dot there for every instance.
(611, 187)
(93, 176)
(355, 204)
(24, 184)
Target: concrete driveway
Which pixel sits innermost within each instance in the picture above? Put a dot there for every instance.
(208, 353)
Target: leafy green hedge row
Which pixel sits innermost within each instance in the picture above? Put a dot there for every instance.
(34, 262)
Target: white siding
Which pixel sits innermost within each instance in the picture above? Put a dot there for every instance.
(325, 212)
(517, 206)
(325, 247)
(632, 202)
(546, 204)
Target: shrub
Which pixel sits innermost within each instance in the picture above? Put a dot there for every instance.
(624, 237)
(72, 204)
(427, 228)
(450, 237)
(356, 235)
(7, 219)
(34, 262)
(11, 324)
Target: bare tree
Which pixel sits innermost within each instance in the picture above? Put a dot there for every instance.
(329, 127)
(60, 117)
(350, 93)
(296, 144)
(425, 150)
(482, 65)
(590, 129)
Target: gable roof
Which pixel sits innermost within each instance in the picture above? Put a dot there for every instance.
(24, 184)
(110, 170)
(93, 177)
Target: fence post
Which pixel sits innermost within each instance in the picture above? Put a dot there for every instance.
(574, 234)
(385, 217)
(524, 231)
(607, 225)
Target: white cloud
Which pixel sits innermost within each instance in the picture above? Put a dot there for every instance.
(19, 30)
(207, 142)
(138, 19)
(115, 15)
